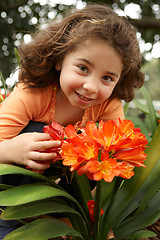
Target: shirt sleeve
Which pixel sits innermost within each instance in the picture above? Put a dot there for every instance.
(22, 105)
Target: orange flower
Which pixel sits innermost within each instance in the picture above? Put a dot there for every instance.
(134, 156)
(122, 142)
(68, 154)
(76, 151)
(106, 169)
(126, 170)
(91, 205)
(57, 133)
(54, 130)
(102, 151)
(121, 149)
(137, 138)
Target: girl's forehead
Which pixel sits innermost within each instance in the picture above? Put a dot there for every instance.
(97, 53)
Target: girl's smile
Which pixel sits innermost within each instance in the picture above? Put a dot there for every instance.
(89, 73)
(83, 98)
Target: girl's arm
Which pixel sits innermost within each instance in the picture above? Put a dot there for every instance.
(23, 105)
(29, 149)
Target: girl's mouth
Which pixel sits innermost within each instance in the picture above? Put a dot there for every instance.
(84, 98)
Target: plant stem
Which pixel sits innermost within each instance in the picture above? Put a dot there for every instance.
(97, 210)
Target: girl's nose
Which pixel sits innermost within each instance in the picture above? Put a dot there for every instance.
(91, 85)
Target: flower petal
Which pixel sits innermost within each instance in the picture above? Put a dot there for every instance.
(70, 131)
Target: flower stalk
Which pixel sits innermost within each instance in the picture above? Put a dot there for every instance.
(97, 212)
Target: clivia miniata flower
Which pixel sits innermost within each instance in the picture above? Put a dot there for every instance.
(105, 151)
(54, 130)
(100, 152)
(91, 205)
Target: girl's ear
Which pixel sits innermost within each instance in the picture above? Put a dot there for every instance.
(58, 66)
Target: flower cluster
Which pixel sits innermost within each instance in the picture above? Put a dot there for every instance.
(104, 151)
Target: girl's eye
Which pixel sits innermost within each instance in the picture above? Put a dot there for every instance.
(107, 78)
(83, 68)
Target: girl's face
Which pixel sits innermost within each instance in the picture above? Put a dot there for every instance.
(90, 73)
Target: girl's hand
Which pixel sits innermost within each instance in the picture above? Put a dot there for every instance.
(28, 149)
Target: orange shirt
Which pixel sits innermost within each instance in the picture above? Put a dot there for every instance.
(36, 104)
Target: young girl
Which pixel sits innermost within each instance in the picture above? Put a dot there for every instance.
(73, 71)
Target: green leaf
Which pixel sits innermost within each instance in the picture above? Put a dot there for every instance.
(30, 192)
(151, 110)
(140, 106)
(144, 108)
(46, 206)
(84, 229)
(153, 187)
(81, 187)
(97, 210)
(139, 221)
(107, 190)
(17, 55)
(43, 229)
(5, 186)
(3, 83)
(11, 169)
(142, 198)
(35, 209)
(125, 108)
(142, 234)
(82, 192)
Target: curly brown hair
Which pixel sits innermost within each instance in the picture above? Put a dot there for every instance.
(50, 45)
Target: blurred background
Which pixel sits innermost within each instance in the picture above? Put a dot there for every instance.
(19, 18)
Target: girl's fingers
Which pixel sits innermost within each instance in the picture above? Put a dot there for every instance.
(41, 156)
(37, 166)
(41, 136)
(46, 144)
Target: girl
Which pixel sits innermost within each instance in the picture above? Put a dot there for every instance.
(73, 71)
